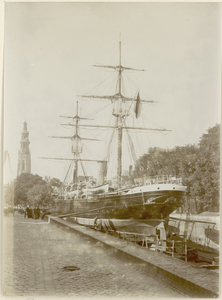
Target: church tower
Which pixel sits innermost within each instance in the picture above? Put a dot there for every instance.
(24, 156)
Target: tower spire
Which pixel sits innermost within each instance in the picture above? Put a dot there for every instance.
(24, 156)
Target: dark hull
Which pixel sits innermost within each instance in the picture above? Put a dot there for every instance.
(129, 206)
(213, 235)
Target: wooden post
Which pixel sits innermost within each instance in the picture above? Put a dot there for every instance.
(185, 249)
(185, 238)
(156, 242)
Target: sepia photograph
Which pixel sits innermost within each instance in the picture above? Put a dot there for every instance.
(111, 118)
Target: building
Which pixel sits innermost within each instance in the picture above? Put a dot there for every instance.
(24, 156)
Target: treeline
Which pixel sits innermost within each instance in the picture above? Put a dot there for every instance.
(29, 189)
(198, 166)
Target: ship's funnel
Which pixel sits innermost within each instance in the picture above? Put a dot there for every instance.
(102, 172)
(130, 170)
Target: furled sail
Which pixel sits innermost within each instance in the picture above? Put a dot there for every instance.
(138, 106)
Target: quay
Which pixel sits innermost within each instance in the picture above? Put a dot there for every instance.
(52, 257)
(191, 281)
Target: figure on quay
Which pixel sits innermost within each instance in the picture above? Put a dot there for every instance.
(37, 212)
(29, 212)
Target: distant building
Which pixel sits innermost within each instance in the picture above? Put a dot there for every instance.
(24, 156)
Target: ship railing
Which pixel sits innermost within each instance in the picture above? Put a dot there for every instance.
(160, 179)
(166, 246)
(135, 237)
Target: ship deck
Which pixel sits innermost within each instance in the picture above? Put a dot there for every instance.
(191, 281)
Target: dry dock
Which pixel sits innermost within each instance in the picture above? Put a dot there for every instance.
(191, 281)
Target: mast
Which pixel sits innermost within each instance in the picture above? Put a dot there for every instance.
(119, 122)
(75, 171)
(119, 112)
(76, 149)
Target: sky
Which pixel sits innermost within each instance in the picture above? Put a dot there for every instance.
(49, 53)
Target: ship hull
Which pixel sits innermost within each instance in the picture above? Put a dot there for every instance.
(149, 207)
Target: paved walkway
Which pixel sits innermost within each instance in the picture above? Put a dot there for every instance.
(35, 254)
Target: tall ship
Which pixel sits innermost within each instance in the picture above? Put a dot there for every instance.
(134, 207)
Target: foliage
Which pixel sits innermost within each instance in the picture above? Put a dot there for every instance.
(55, 182)
(198, 166)
(204, 183)
(23, 184)
(9, 194)
(39, 195)
(177, 162)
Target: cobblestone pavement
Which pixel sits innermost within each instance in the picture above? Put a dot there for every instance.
(35, 254)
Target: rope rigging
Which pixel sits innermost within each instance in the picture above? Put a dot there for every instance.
(99, 84)
(122, 107)
(131, 145)
(110, 142)
(67, 173)
(137, 88)
(83, 168)
(97, 111)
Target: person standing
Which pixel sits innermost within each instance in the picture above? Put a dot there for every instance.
(37, 213)
(29, 212)
(25, 212)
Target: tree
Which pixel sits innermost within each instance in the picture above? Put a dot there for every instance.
(55, 182)
(204, 183)
(23, 184)
(39, 195)
(179, 162)
(9, 194)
